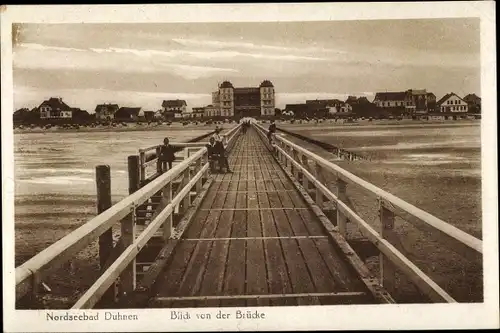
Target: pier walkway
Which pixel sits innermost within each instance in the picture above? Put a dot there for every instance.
(272, 232)
(255, 241)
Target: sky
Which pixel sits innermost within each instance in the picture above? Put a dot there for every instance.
(143, 64)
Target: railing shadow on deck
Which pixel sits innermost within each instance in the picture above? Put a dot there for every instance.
(120, 264)
(312, 170)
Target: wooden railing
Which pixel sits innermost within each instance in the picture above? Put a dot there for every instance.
(313, 169)
(340, 152)
(121, 263)
(148, 157)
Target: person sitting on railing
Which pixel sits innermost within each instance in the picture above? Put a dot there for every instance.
(213, 154)
(221, 144)
(167, 155)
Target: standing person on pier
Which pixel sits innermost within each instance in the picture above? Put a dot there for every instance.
(221, 144)
(271, 131)
(167, 155)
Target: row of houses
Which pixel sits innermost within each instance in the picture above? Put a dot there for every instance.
(411, 103)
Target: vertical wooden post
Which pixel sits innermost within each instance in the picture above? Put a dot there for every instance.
(133, 173)
(186, 202)
(103, 182)
(128, 276)
(205, 160)
(199, 165)
(142, 157)
(320, 177)
(342, 196)
(387, 271)
(158, 160)
(168, 225)
(305, 180)
(291, 153)
(295, 169)
(186, 153)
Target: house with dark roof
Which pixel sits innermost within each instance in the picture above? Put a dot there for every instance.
(174, 108)
(299, 110)
(106, 111)
(55, 108)
(474, 103)
(391, 99)
(451, 102)
(198, 112)
(149, 115)
(127, 114)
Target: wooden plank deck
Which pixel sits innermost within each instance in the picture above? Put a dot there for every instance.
(255, 235)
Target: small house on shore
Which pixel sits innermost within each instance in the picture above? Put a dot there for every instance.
(55, 109)
(128, 114)
(106, 111)
(451, 102)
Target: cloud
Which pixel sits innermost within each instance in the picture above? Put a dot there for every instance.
(248, 45)
(36, 56)
(40, 47)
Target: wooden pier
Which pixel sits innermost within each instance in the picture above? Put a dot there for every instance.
(270, 233)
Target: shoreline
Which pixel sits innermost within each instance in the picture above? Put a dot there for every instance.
(178, 126)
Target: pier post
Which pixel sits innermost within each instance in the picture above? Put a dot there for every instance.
(142, 168)
(387, 270)
(305, 180)
(320, 177)
(169, 222)
(103, 182)
(128, 276)
(342, 196)
(199, 165)
(186, 202)
(158, 161)
(133, 173)
(296, 170)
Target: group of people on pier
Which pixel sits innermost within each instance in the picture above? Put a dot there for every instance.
(217, 153)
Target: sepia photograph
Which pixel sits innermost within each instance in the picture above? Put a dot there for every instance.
(223, 170)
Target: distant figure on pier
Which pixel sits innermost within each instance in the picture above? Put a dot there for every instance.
(213, 155)
(221, 143)
(167, 155)
(272, 130)
(245, 125)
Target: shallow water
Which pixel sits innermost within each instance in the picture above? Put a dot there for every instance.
(64, 163)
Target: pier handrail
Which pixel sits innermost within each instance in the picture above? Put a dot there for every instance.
(293, 155)
(148, 158)
(189, 144)
(438, 224)
(30, 272)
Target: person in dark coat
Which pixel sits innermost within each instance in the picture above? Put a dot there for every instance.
(213, 154)
(167, 155)
(220, 143)
(271, 131)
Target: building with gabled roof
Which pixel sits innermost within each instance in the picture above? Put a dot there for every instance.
(106, 111)
(174, 108)
(451, 102)
(474, 102)
(128, 113)
(55, 108)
